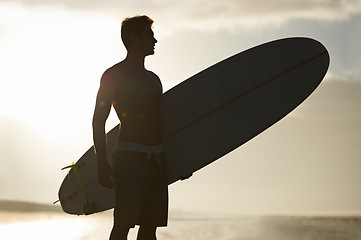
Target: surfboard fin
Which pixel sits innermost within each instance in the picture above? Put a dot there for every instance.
(70, 166)
(74, 164)
(90, 208)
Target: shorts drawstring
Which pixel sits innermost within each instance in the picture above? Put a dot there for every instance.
(150, 152)
(134, 147)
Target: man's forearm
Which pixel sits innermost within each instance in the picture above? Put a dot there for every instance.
(106, 176)
(99, 138)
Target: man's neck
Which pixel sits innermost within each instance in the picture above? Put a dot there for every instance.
(135, 61)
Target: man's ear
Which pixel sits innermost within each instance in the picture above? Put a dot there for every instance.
(135, 39)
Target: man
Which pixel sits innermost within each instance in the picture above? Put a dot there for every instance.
(138, 175)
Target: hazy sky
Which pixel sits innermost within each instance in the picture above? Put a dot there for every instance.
(52, 55)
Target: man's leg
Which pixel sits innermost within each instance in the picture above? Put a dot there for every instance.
(119, 233)
(146, 233)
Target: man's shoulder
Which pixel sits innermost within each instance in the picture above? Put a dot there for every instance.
(152, 74)
(112, 74)
(115, 69)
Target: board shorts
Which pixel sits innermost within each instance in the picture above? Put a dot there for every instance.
(141, 189)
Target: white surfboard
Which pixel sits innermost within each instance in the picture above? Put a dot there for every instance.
(214, 112)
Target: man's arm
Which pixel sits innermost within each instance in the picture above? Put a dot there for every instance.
(101, 113)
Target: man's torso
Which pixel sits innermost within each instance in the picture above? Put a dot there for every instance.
(136, 97)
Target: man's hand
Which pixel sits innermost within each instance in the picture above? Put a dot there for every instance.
(186, 176)
(106, 176)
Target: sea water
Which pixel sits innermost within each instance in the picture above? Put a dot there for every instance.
(42, 225)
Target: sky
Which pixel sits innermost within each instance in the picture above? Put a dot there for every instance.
(53, 53)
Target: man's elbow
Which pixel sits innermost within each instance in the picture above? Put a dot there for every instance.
(98, 123)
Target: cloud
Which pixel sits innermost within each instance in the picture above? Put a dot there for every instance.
(248, 14)
(210, 15)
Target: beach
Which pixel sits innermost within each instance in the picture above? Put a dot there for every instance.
(54, 225)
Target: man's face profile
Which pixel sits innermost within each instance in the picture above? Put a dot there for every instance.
(146, 42)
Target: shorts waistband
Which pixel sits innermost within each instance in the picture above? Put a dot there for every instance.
(134, 147)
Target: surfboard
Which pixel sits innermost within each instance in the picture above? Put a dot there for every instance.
(214, 112)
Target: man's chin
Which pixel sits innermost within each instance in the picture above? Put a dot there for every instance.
(151, 53)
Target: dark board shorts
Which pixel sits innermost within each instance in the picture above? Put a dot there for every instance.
(141, 190)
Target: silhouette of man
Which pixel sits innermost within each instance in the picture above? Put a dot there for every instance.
(138, 174)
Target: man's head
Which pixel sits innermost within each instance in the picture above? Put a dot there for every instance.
(136, 28)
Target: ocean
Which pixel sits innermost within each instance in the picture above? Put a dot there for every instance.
(43, 225)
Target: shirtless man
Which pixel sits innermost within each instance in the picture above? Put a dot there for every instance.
(138, 175)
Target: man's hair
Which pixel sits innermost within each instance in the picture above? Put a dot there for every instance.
(134, 26)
